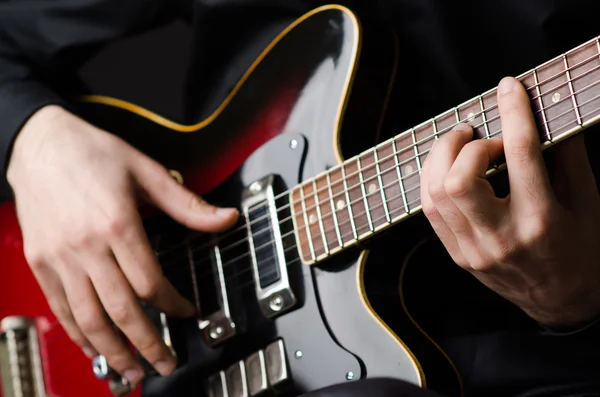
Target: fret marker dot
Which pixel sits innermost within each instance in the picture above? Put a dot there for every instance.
(312, 219)
(340, 205)
(409, 169)
(556, 97)
(372, 188)
(471, 117)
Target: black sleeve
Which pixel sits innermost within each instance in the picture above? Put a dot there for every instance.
(44, 42)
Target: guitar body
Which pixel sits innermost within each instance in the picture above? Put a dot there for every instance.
(309, 101)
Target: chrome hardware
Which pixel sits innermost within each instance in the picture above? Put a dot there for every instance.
(274, 292)
(217, 385)
(166, 333)
(237, 385)
(275, 358)
(350, 375)
(293, 144)
(118, 385)
(256, 372)
(20, 361)
(298, 354)
(218, 326)
(101, 368)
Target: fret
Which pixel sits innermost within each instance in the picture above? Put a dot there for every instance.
(400, 179)
(470, 113)
(349, 201)
(585, 74)
(364, 193)
(409, 169)
(415, 146)
(424, 135)
(334, 212)
(435, 129)
(374, 188)
(300, 226)
(542, 110)
(446, 122)
(387, 161)
(555, 93)
(485, 123)
(306, 224)
(381, 188)
(457, 116)
(344, 214)
(570, 82)
(320, 217)
(492, 113)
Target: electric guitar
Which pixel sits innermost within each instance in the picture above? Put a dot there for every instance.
(281, 295)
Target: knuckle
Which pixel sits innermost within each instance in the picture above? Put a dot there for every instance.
(437, 192)
(458, 186)
(503, 251)
(151, 348)
(430, 211)
(91, 324)
(120, 313)
(535, 230)
(481, 265)
(114, 224)
(35, 256)
(147, 288)
(62, 312)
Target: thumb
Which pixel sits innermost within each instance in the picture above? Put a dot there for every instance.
(571, 173)
(181, 204)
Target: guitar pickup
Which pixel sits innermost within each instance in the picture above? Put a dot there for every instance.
(272, 284)
(20, 360)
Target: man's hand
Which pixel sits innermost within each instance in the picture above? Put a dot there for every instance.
(77, 190)
(540, 246)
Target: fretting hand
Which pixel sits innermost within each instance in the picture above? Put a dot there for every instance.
(540, 246)
(77, 190)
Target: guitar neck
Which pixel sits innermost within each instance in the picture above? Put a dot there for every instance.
(381, 187)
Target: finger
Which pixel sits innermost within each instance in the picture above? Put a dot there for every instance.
(573, 179)
(92, 320)
(469, 188)
(53, 289)
(528, 177)
(183, 205)
(140, 266)
(444, 154)
(128, 315)
(433, 216)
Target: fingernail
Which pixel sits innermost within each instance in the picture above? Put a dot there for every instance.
(226, 212)
(133, 375)
(89, 353)
(164, 367)
(506, 85)
(462, 127)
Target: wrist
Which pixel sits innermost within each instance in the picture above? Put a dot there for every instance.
(29, 137)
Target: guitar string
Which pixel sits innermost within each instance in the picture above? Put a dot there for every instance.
(350, 234)
(257, 206)
(170, 265)
(377, 175)
(421, 154)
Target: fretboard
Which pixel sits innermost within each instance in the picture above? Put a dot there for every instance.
(381, 187)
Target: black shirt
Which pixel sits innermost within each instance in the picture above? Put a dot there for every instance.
(451, 50)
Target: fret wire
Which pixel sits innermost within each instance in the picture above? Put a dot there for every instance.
(575, 108)
(416, 147)
(435, 129)
(598, 45)
(457, 115)
(484, 117)
(380, 179)
(589, 101)
(333, 208)
(348, 202)
(318, 205)
(192, 264)
(401, 182)
(362, 188)
(539, 98)
(306, 224)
